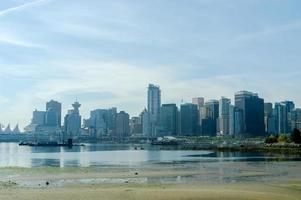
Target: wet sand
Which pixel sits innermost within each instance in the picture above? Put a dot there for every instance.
(211, 180)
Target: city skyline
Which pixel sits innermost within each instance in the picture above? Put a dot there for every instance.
(193, 100)
(213, 49)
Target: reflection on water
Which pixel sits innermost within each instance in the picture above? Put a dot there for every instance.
(13, 155)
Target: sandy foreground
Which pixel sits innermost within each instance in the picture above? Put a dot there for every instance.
(230, 181)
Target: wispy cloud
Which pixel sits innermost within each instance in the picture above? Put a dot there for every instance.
(20, 7)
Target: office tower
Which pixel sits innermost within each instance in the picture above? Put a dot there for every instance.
(235, 121)
(210, 118)
(145, 123)
(153, 107)
(72, 122)
(189, 119)
(296, 119)
(253, 113)
(290, 106)
(168, 120)
(57, 108)
(98, 123)
(51, 118)
(136, 125)
(281, 118)
(269, 119)
(224, 115)
(38, 117)
(111, 121)
(199, 101)
(122, 125)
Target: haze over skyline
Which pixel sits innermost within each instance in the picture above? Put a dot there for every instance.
(106, 52)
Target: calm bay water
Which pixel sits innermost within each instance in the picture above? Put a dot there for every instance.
(13, 155)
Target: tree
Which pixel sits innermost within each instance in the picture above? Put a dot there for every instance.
(282, 139)
(271, 139)
(296, 136)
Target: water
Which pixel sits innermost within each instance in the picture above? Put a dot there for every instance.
(13, 155)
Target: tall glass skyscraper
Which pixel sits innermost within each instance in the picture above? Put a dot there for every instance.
(56, 107)
(153, 107)
(253, 113)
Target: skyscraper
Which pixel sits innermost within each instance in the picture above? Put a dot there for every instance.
(122, 124)
(235, 121)
(290, 106)
(296, 119)
(281, 118)
(224, 116)
(269, 118)
(210, 118)
(56, 107)
(72, 122)
(153, 107)
(168, 120)
(199, 101)
(189, 119)
(253, 113)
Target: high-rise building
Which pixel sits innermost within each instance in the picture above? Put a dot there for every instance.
(253, 113)
(168, 120)
(210, 119)
(269, 118)
(153, 107)
(290, 106)
(97, 124)
(122, 125)
(145, 123)
(38, 117)
(51, 118)
(296, 119)
(136, 125)
(235, 121)
(199, 101)
(55, 107)
(281, 118)
(72, 122)
(189, 119)
(224, 116)
(111, 121)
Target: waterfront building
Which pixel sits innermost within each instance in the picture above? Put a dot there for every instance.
(289, 106)
(111, 121)
(38, 117)
(55, 107)
(136, 125)
(253, 113)
(281, 118)
(168, 120)
(122, 125)
(199, 101)
(97, 124)
(224, 116)
(296, 119)
(269, 119)
(189, 119)
(145, 123)
(235, 121)
(153, 107)
(51, 118)
(210, 119)
(72, 123)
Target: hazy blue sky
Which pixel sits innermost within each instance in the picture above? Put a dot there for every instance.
(106, 52)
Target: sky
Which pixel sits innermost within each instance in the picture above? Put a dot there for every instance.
(104, 53)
